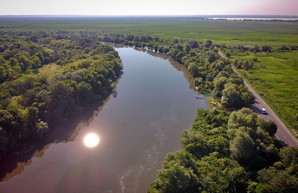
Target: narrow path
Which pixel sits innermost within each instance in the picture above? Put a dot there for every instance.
(283, 134)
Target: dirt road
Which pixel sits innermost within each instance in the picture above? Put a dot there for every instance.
(283, 134)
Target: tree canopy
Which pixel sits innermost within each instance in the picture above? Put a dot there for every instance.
(47, 78)
(228, 152)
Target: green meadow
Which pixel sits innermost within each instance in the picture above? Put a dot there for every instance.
(220, 31)
(274, 76)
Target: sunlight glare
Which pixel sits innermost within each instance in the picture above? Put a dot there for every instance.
(91, 140)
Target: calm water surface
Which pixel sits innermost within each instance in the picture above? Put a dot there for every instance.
(258, 18)
(155, 102)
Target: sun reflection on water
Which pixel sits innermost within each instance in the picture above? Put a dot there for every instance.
(91, 140)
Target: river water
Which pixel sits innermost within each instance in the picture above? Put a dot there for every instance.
(155, 101)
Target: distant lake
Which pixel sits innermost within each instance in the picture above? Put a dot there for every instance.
(137, 127)
(257, 18)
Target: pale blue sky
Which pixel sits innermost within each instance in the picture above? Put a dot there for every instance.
(152, 7)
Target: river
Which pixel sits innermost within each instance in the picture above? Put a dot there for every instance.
(137, 127)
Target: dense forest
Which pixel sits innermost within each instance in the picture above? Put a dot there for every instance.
(47, 78)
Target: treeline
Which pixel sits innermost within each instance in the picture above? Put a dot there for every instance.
(229, 152)
(48, 78)
(257, 49)
(211, 72)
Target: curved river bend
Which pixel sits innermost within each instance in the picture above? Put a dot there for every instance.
(155, 102)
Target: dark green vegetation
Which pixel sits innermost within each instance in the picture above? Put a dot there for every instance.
(47, 78)
(274, 75)
(229, 152)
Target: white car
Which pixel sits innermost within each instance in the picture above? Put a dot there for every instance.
(263, 111)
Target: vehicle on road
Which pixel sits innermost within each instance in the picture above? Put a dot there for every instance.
(263, 111)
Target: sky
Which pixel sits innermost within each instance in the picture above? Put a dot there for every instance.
(150, 7)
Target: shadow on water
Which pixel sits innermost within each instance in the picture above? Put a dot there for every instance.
(176, 65)
(64, 131)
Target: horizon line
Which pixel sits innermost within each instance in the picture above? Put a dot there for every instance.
(179, 15)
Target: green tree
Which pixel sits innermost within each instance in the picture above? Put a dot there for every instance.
(187, 49)
(219, 83)
(242, 146)
(25, 63)
(289, 158)
(218, 174)
(278, 180)
(247, 98)
(266, 48)
(179, 56)
(36, 63)
(13, 61)
(193, 69)
(62, 102)
(3, 75)
(208, 43)
(230, 96)
(243, 118)
(268, 126)
(175, 179)
(84, 92)
(211, 57)
(193, 44)
(178, 174)
(249, 144)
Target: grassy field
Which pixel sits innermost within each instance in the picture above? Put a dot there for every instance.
(220, 31)
(275, 75)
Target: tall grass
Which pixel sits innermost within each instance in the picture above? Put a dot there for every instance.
(275, 77)
(220, 31)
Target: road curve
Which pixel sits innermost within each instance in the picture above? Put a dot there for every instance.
(283, 134)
